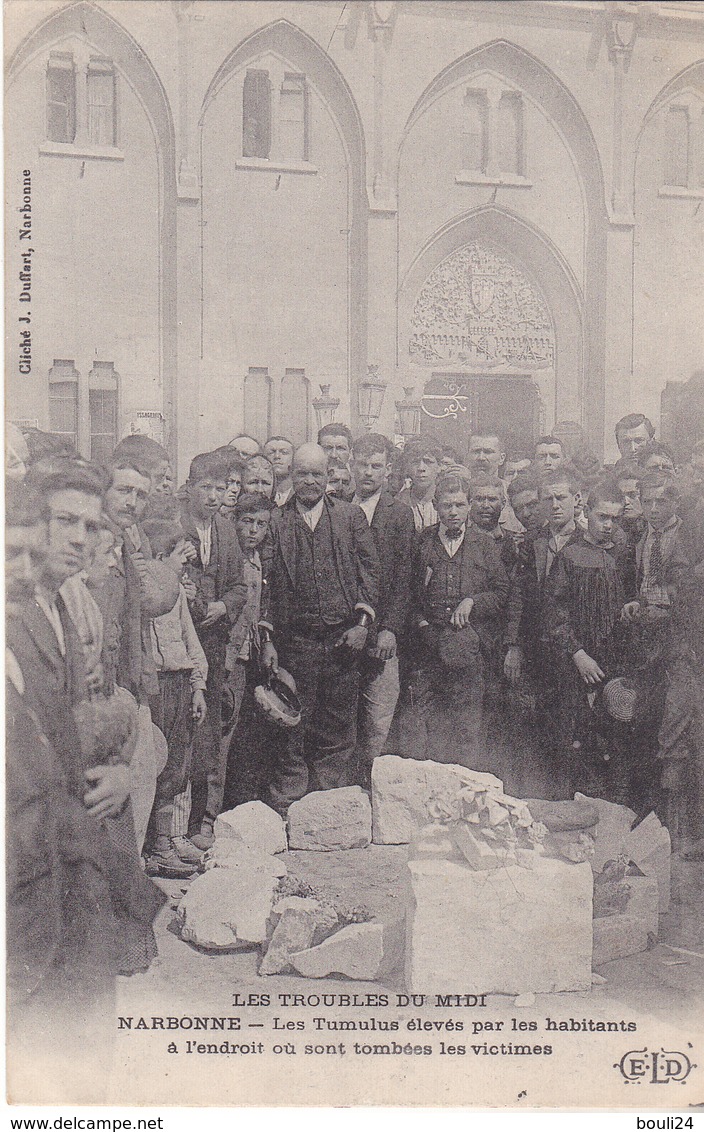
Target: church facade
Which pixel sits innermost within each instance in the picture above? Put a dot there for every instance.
(491, 212)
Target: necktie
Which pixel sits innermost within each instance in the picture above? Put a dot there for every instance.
(656, 562)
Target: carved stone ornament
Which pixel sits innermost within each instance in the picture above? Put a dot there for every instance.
(476, 309)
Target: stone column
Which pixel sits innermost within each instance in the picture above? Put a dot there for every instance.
(622, 30)
(186, 438)
(381, 327)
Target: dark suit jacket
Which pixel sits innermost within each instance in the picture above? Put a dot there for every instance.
(528, 584)
(483, 578)
(678, 559)
(226, 564)
(356, 562)
(53, 683)
(393, 532)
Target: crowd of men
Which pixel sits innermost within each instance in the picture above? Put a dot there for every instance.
(533, 614)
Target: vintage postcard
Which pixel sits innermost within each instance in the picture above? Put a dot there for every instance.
(355, 553)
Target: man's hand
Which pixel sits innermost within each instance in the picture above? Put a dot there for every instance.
(354, 638)
(140, 564)
(216, 610)
(190, 588)
(199, 706)
(385, 645)
(588, 669)
(630, 611)
(268, 658)
(460, 617)
(110, 790)
(183, 552)
(513, 664)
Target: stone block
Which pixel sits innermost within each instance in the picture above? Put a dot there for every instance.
(298, 919)
(402, 790)
(616, 937)
(611, 832)
(230, 853)
(256, 825)
(331, 819)
(227, 908)
(648, 846)
(359, 951)
(643, 901)
(561, 816)
(501, 931)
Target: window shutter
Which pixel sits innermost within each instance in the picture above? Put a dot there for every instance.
(61, 98)
(101, 102)
(63, 400)
(256, 115)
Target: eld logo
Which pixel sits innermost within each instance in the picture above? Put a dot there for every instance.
(659, 1067)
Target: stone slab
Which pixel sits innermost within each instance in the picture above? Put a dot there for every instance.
(298, 921)
(559, 817)
(649, 847)
(402, 790)
(331, 819)
(359, 951)
(503, 931)
(227, 908)
(611, 832)
(255, 824)
(616, 937)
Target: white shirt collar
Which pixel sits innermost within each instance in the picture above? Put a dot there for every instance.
(206, 540)
(311, 515)
(281, 497)
(451, 545)
(368, 505)
(51, 611)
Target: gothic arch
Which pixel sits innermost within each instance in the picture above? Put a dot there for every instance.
(559, 104)
(290, 42)
(111, 38)
(506, 233)
(689, 79)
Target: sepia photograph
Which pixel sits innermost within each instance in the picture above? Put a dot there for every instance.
(354, 527)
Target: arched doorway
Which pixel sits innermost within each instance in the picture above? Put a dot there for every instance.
(570, 272)
(491, 330)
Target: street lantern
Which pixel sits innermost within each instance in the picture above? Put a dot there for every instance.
(371, 397)
(409, 413)
(325, 407)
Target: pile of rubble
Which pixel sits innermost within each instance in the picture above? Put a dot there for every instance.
(505, 895)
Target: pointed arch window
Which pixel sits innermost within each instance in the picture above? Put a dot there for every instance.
(81, 105)
(494, 133)
(276, 119)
